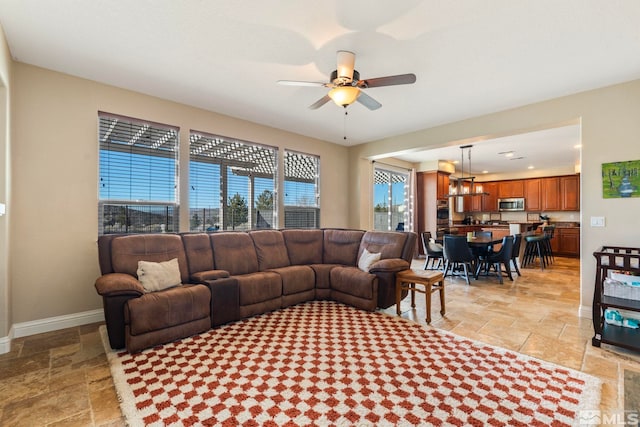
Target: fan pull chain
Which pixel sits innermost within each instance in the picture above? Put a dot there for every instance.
(346, 113)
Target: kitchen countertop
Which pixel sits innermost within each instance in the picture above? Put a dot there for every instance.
(501, 224)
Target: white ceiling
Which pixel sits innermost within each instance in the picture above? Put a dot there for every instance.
(471, 57)
(548, 150)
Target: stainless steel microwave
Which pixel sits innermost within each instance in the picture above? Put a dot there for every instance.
(514, 204)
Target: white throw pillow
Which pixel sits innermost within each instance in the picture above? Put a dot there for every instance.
(367, 259)
(156, 276)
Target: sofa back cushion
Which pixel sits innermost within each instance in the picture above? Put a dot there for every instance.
(199, 253)
(234, 252)
(126, 251)
(388, 244)
(270, 249)
(104, 252)
(341, 246)
(304, 246)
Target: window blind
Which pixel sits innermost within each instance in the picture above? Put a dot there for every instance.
(301, 190)
(232, 184)
(138, 176)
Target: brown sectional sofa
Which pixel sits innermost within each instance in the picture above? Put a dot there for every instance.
(228, 276)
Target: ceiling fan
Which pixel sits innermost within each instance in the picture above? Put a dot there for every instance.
(346, 86)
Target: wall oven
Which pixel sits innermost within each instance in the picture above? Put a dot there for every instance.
(515, 204)
(442, 212)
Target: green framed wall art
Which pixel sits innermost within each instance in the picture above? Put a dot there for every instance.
(621, 179)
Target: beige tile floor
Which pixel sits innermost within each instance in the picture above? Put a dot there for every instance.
(62, 378)
(537, 315)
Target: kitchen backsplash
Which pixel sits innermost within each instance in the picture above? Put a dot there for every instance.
(562, 216)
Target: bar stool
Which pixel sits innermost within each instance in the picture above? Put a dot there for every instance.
(548, 235)
(534, 248)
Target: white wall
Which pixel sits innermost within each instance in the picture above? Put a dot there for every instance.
(610, 130)
(54, 260)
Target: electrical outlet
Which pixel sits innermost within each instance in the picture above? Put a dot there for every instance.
(597, 221)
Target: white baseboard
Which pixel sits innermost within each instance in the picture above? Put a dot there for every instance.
(585, 311)
(5, 343)
(49, 324)
(34, 327)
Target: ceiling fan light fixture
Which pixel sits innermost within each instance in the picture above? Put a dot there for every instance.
(344, 95)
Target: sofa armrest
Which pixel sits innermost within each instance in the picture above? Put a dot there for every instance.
(204, 276)
(225, 300)
(115, 284)
(389, 265)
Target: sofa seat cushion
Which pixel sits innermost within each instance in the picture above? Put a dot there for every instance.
(171, 307)
(296, 278)
(353, 281)
(259, 287)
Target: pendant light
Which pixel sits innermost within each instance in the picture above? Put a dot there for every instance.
(458, 192)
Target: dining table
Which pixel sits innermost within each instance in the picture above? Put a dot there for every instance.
(480, 246)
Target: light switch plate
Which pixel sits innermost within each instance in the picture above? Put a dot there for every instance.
(597, 221)
(3, 209)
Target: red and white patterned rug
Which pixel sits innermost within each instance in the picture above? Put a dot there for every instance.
(324, 363)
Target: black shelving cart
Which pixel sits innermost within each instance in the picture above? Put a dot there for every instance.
(610, 259)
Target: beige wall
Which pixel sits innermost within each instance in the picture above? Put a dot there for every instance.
(5, 181)
(55, 170)
(610, 131)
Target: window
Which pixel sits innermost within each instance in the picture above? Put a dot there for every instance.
(391, 200)
(138, 176)
(231, 184)
(301, 190)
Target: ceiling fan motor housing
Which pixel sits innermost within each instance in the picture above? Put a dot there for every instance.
(343, 81)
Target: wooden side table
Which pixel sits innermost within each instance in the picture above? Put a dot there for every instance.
(432, 280)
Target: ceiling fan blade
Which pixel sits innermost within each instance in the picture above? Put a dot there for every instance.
(297, 83)
(401, 79)
(368, 101)
(320, 102)
(346, 63)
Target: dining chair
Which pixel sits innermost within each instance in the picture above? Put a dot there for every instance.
(433, 251)
(499, 259)
(457, 254)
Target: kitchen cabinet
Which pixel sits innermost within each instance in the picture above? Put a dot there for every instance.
(497, 232)
(570, 193)
(513, 188)
(550, 198)
(430, 188)
(490, 202)
(442, 180)
(566, 242)
(532, 194)
(468, 203)
(569, 241)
